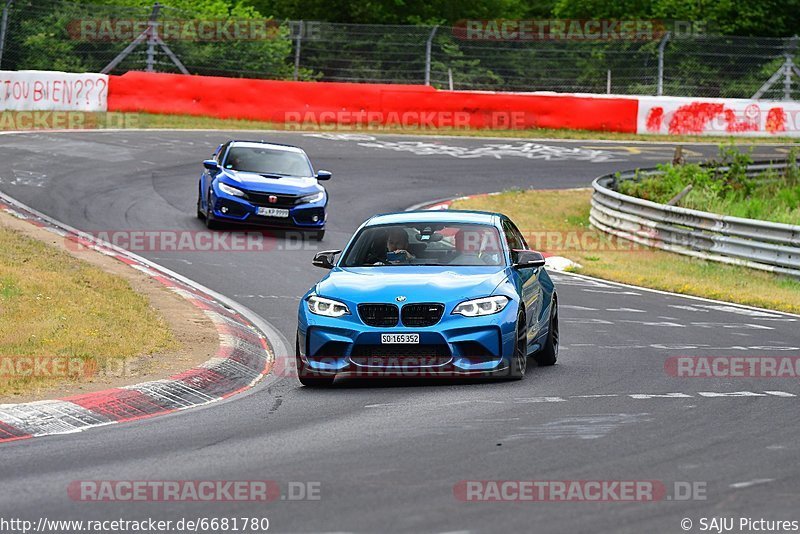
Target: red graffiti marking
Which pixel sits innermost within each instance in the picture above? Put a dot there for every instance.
(732, 125)
(654, 119)
(692, 118)
(776, 120)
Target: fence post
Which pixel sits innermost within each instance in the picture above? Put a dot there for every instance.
(787, 78)
(297, 44)
(661, 47)
(608, 82)
(3, 26)
(152, 38)
(428, 46)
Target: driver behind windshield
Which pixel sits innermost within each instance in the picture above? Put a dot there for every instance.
(397, 246)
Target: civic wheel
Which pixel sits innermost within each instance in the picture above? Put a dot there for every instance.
(200, 214)
(211, 223)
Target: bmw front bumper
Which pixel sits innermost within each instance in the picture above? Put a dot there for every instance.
(455, 345)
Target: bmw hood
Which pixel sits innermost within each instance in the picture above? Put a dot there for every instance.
(285, 185)
(416, 284)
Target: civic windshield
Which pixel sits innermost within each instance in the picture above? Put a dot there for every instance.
(425, 244)
(267, 161)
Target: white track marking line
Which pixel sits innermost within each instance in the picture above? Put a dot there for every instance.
(749, 483)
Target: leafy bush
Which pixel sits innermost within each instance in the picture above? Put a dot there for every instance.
(769, 196)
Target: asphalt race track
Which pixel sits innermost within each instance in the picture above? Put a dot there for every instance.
(387, 454)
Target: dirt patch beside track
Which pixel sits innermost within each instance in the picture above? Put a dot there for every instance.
(197, 339)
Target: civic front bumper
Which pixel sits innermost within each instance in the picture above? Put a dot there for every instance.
(232, 209)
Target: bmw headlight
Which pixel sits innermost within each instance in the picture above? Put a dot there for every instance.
(482, 306)
(314, 197)
(327, 307)
(230, 190)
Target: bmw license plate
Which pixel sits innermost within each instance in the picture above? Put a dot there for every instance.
(272, 212)
(395, 339)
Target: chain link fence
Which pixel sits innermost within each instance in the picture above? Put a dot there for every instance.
(61, 35)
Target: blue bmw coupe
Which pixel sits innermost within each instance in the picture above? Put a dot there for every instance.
(428, 293)
(264, 184)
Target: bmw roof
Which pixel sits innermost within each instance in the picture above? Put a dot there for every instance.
(423, 216)
(264, 144)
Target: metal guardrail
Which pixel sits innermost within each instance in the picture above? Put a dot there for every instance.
(763, 245)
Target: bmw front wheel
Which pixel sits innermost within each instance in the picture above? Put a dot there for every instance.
(549, 353)
(519, 362)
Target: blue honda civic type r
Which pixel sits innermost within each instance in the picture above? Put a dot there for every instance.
(263, 184)
(424, 293)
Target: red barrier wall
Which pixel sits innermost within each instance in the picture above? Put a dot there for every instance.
(351, 103)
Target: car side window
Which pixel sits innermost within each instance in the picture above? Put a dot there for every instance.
(518, 235)
(221, 152)
(513, 238)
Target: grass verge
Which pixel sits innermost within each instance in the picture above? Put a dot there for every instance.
(69, 316)
(557, 221)
(155, 121)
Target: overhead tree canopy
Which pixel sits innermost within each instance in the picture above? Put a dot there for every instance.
(778, 18)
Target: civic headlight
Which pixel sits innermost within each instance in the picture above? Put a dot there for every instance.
(327, 307)
(482, 306)
(314, 197)
(230, 190)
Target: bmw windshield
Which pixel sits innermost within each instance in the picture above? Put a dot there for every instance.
(440, 244)
(267, 161)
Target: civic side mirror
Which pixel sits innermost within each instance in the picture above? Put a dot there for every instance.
(211, 165)
(324, 175)
(325, 259)
(527, 259)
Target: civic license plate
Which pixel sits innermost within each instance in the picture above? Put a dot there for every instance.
(393, 339)
(272, 212)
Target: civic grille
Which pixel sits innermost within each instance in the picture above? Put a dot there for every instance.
(400, 355)
(425, 314)
(379, 314)
(281, 201)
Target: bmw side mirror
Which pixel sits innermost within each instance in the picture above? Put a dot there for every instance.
(325, 259)
(527, 259)
(211, 165)
(324, 175)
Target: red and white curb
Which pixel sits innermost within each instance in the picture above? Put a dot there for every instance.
(243, 358)
(552, 262)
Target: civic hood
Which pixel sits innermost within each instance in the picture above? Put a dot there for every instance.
(416, 283)
(285, 185)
